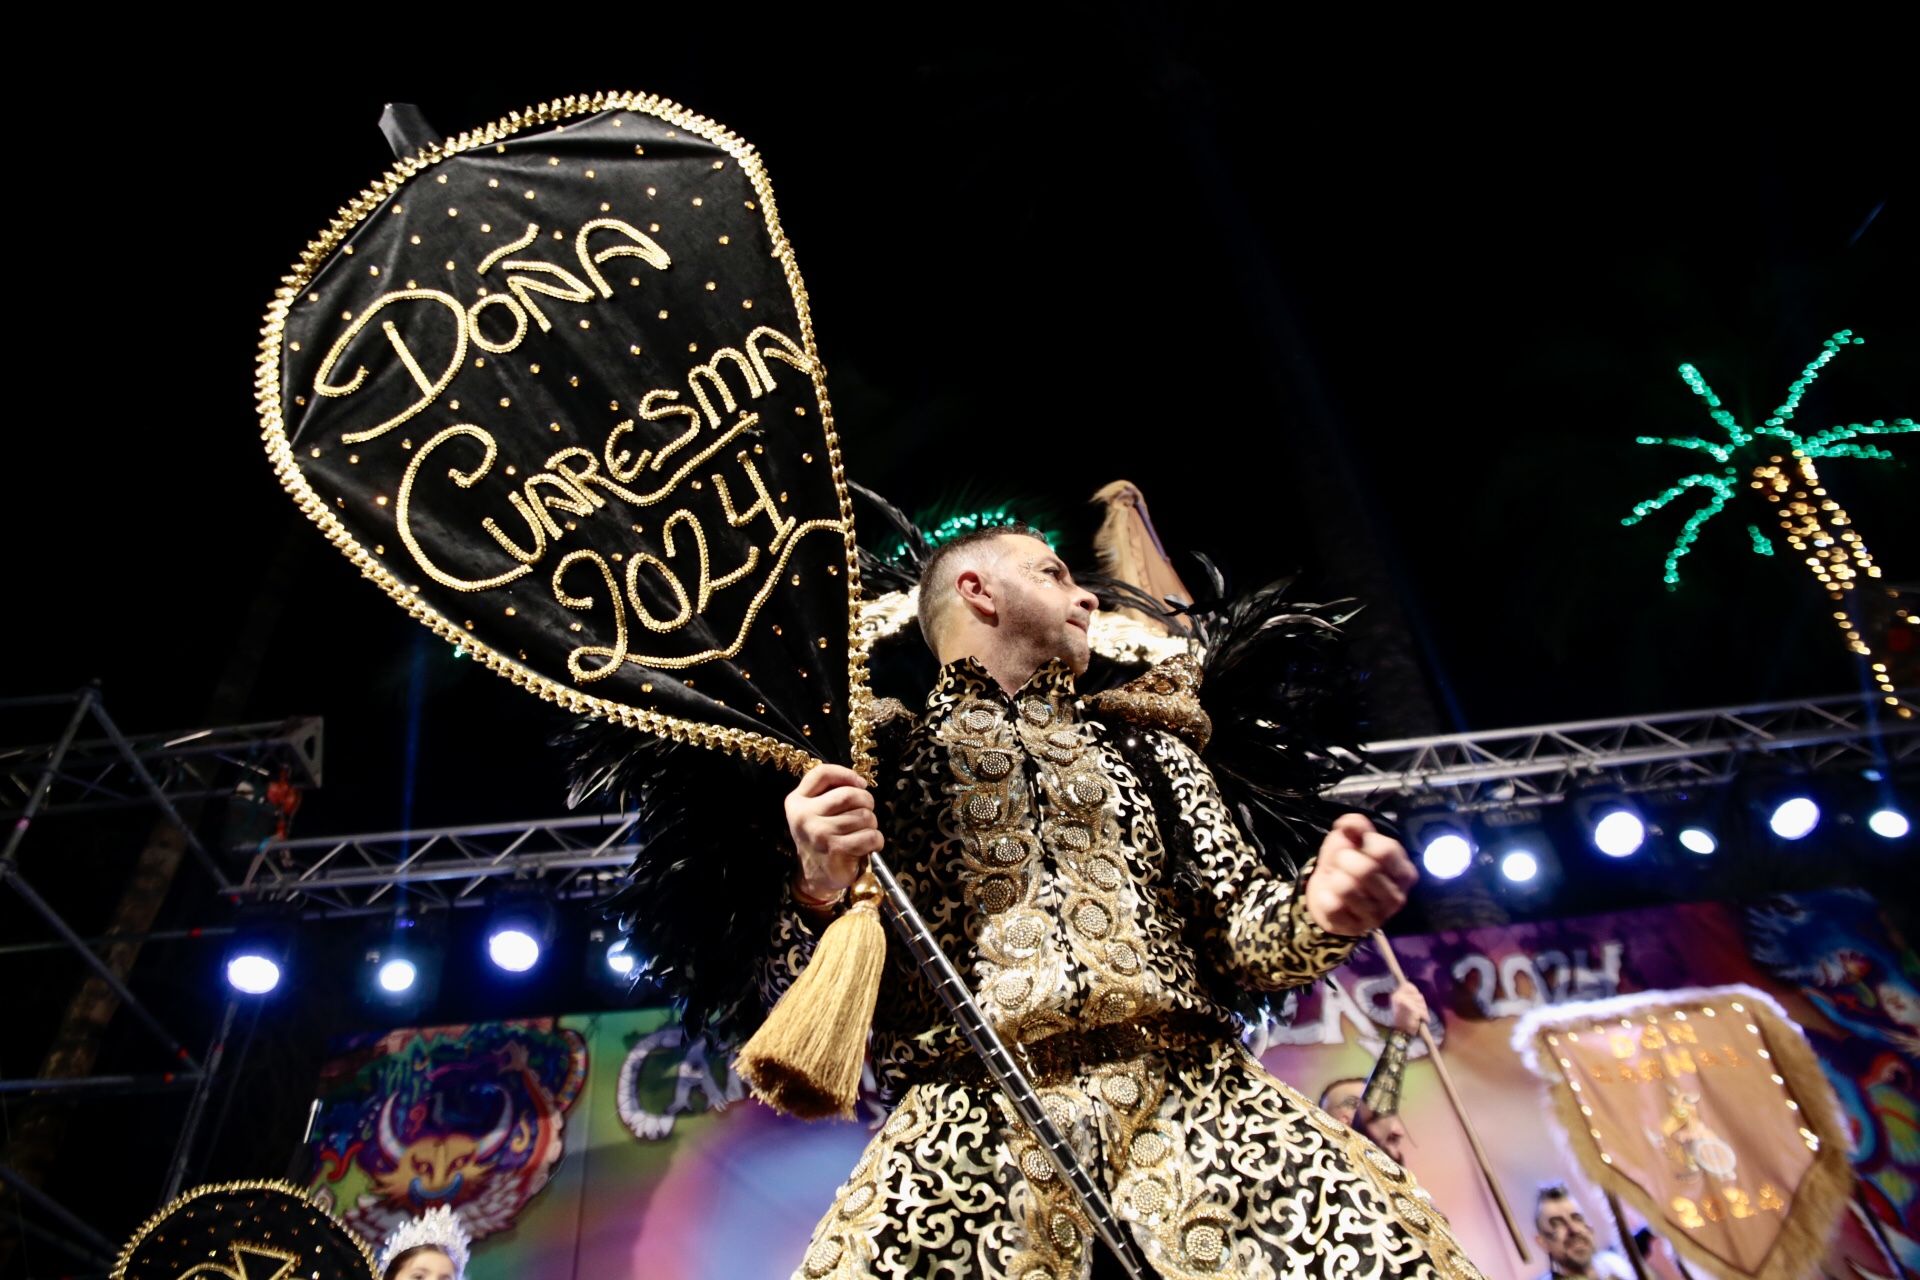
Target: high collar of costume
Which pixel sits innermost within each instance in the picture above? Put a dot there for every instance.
(965, 679)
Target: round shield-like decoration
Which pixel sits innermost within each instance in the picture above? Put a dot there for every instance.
(244, 1231)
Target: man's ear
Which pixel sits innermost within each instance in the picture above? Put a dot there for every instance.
(976, 594)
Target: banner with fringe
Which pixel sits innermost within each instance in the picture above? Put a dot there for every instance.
(1705, 1109)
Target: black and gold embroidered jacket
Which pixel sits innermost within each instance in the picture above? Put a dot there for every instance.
(1028, 839)
(1028, 834)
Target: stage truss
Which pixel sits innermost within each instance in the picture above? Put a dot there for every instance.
(1469, 772)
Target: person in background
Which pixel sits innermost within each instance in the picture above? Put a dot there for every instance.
(1568, 1240)
(1372, 1105)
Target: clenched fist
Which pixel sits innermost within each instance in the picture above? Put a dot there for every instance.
(830, 817)
(1361, 879)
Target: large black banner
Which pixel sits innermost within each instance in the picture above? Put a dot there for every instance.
(553, 386)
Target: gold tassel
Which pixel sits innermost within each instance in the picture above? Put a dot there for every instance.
(806, 1057)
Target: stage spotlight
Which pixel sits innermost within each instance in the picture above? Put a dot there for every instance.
(1794, 818)
(1519, 865)
(611, 961)
(1619, 833)
(1440, 837)
(1614, 825)
(252, 974)
(256, 955)
(1698, 840)
(396, 977)
(519, 930)
(1889, 824)
(513, 948)
(1446, 855)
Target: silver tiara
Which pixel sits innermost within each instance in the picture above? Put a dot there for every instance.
(439, 1228)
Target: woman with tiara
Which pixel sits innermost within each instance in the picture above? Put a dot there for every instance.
(433, 1246)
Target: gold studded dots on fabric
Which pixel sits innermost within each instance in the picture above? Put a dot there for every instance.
(1148, 1198)
(1092, 919)
(1121, 1091)
(1036, 1166)
(1025, 933)
(1410, 1211)
(1149, 1149)
(1380, 1160)
(997, 894)
(823, 1257)
(1064, 1231)
(1205, 1244)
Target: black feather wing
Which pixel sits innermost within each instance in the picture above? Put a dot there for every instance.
(1283, 698)
(702, 893)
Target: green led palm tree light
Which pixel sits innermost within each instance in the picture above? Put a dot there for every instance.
(1776, 464)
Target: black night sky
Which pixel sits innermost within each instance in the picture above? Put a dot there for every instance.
(1390, 321)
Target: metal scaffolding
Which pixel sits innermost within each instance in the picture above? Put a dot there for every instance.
(119, 770)
(442, 866)
(1506, 768)
(1543, 764)
(72, 774)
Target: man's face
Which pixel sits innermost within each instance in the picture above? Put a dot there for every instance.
(1389, 1135)
(1564, 1233)
(1343, 1100)
(1040, 609)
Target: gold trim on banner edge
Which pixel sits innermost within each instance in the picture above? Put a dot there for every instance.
(1817, 1203)
(758, 747)
(121, 1263)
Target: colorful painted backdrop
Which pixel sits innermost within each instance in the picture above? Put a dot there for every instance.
(599, 1147)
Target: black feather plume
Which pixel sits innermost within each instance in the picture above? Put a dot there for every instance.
(701, 895)
(885, 566)
(1282, 696)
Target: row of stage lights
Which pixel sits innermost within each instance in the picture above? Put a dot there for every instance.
(401, 965)
(520, 927)
(1616, 830)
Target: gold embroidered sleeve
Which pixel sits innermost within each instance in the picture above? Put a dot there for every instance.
(788, 949)
(1257, 929)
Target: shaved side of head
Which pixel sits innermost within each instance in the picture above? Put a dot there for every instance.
(976, 549)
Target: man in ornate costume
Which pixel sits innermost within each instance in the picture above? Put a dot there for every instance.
(1076, 860)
